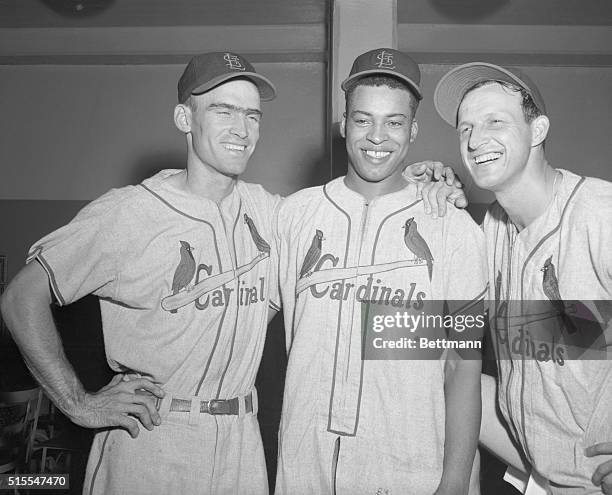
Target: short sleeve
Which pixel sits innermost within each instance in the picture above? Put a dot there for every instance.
(275, 297)
(466, 270)
(287, 279)
(81, 257)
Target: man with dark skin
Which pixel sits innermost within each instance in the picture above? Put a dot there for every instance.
(349, 424)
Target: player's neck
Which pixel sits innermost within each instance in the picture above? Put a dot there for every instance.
(371, 190)
(530, 196)
(208, 183)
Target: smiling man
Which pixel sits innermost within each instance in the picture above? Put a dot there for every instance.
(183, 267)
(352, 425)
(548, 238)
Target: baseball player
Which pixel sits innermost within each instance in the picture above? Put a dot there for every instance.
(351, 425)
(547, 237)
(185, 273)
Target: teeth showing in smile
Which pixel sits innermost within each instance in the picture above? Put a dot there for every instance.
(234, 147)
(487, 157)
(377, 154)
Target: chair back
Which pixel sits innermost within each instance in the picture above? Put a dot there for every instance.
(19, 413)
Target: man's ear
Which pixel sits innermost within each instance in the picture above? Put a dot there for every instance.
(414, 130)
(343, 126)
(539, 130)
(182, 118)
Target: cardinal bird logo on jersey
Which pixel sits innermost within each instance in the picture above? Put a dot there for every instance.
(415, 242)
(313, 254)
(550, 286)
(259, 241)
(185, 270)
(213, 290)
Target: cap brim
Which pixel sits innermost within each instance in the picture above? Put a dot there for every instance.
(267, 91)
(452, 87)
(365, 73)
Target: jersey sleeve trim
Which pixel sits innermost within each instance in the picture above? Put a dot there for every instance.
(274, 306)
(38, 256)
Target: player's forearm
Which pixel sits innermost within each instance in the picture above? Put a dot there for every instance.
(462, 395)
(494, 435)
(26, 310)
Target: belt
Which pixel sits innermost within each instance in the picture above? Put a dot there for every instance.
(215, 406)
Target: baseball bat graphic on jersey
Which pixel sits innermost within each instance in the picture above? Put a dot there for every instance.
(553, 389)
(175, 301)
(329, 275)
(360, 256)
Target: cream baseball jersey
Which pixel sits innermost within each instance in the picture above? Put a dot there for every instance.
(364, 426)
(556, 401)
(185, 285)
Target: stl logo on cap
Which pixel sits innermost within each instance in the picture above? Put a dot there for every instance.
(385, 60)
(233, 62)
